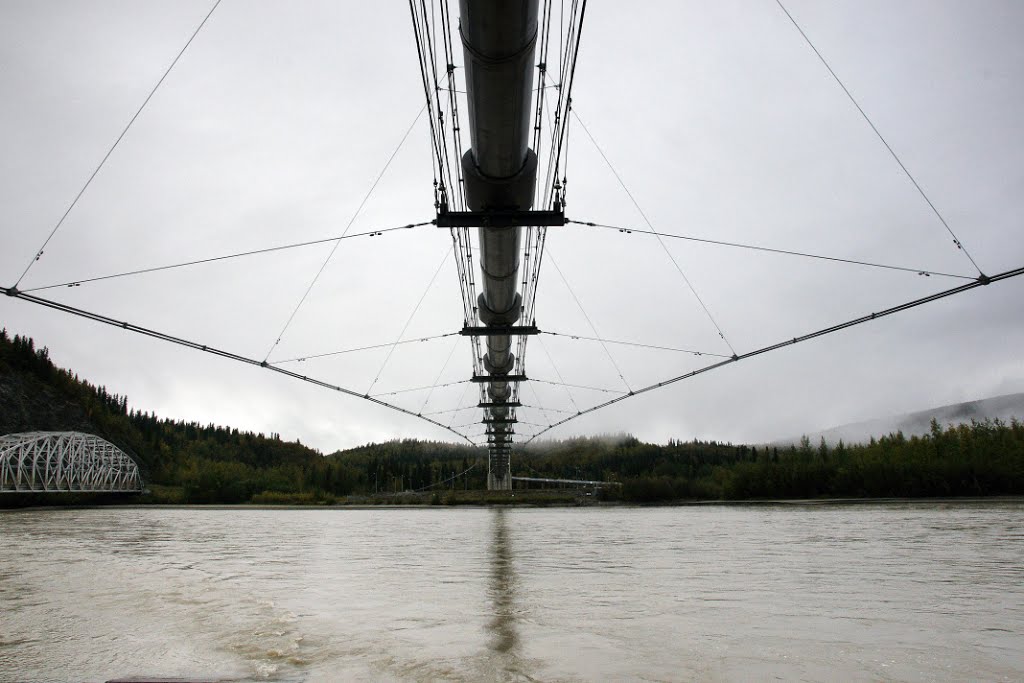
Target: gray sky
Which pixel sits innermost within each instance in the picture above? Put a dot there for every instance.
(718, 117)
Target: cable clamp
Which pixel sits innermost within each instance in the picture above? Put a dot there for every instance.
(12, 291)
(984, 279)
(264, 364)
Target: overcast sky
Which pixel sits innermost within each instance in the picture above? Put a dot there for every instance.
(717, 116)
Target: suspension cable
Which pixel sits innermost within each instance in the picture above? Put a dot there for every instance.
(450, 410)
(754, 247)
(302, 359)
(558, 374)
(412, 315)
(980, 282)
(438, 378)
(423, 388)
(597, 334)
(162, 336)
(214, 259)
(449, 479)
(643, 215)
(355, 215)
(634, 344)
(920, 190)
(581, 386)
(74, 202)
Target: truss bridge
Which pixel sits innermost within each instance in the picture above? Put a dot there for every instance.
(65, 462)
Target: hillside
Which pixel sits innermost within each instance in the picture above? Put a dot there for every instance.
(1004, 408)
(186, 462)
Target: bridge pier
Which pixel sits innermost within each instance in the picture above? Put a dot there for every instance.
(499, 471)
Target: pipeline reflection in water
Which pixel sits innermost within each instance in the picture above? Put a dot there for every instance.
(502, 590)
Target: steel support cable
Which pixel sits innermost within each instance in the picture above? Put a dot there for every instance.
(225, 257)
(450, 479)
(561, 29)
(460, 238)
(542, 60)
(434, 171)
(540, 240)
(431, 43)
(412, 315)
(110, 151)
(754, 247)
(302, 359)
(551, 172)
(549, 176)
(636, 344)
(532, 273)
(526, 406)
(538, 257)
(460, 271)
(581, 386)
(849, 95)
(643, 215)
(554, 119)
(449, 410)
(429, 100)
(460, 408)
(422, 48)
(572, 77)
(544, 411)
(535, 236)
(558, 374)
(534, 251)
(355, 215)
(441, 372)
(565, 164)
(100, 318)
(430, 49)
(423, 388)
(980, 282)
(449, 55)
(589, 322)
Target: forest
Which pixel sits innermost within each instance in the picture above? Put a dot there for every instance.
(188, 462)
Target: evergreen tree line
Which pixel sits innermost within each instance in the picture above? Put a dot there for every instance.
(188, 462)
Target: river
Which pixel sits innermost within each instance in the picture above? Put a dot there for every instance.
(839, 592)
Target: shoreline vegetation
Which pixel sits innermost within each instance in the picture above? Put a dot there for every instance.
(189, 463)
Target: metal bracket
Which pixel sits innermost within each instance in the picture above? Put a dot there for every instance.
(499, 421)
(498, 219)
(509, 404)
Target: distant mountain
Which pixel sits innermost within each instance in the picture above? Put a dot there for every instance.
(917, 424)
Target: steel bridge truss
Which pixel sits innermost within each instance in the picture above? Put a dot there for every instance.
(65, 462)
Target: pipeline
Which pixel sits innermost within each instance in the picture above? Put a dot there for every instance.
(500, 171)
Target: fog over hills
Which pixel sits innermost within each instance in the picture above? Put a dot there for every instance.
(999, 407)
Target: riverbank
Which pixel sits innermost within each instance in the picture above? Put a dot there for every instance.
(503, 499)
